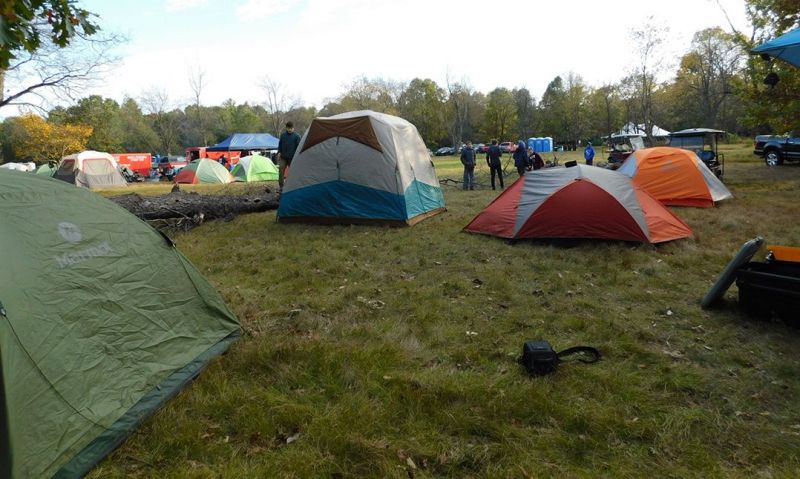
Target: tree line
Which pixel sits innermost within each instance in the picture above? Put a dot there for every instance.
(716, 84)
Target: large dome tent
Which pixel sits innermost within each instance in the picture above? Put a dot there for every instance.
(102, 321)
(361, 167)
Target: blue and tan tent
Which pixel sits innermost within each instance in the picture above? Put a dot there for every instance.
(361, 167)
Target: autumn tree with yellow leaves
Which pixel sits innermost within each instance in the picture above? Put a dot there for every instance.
(44, 141)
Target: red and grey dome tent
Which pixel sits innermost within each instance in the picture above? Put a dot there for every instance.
(578, 202)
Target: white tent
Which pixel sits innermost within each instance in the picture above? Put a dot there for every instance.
(361, 166)
(29, 166)
(90, 169)
(639, 130)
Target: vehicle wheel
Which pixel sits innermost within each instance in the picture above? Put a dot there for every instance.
(773, 158)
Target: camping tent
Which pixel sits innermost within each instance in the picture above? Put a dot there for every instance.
(46, 170)
(90, 169)
(102, 321)
(246, 142)
(361, 167)
(29, 166)
(630, 129)
(675, 176)
(203, 171)
(578, 202)
(255, 168)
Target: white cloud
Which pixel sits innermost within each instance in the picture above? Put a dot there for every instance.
(180, 5)
(260, 9)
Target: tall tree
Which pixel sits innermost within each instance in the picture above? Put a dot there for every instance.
(102, 114)
(165, 121)
(457, 109)
(500, 118)
(553, 109)
(422, 103)
(277, 103)
(526, 108)
(707, 75)
(137, 134)
(643, 77)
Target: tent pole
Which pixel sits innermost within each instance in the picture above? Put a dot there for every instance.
(5, 440)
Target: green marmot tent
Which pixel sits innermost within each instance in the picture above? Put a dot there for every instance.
(102, 320)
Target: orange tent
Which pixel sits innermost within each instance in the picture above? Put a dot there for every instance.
(675, 176)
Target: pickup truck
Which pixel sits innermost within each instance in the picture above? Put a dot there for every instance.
(777, 149)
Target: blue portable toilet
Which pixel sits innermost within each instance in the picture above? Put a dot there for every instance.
(532, 144)
(540, 145)
(547, 144)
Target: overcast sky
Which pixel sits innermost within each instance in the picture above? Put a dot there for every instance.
(315, 47)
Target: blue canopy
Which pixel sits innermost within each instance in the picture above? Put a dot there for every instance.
(786, 47)
(246, 141)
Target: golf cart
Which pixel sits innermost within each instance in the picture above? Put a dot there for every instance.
(704, 142)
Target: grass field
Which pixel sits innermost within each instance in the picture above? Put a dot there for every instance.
(378, 352)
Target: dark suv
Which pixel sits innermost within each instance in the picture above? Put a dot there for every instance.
(777, 149)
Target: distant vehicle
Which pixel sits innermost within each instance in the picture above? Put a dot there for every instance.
(777, 149)
(479, 148)
(508, 147)
(704, 142)
(445, 150)
(135, 162)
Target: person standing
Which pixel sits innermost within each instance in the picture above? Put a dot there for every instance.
(287, 146)
(468, 160)
(521, 158)
(493, 156)
(588, 153)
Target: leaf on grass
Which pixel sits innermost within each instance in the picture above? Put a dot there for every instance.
(293, 438)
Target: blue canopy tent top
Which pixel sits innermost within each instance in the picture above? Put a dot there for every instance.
(786, 47)
(246, 142)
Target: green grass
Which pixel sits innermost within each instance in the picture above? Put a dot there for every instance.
(356, 360)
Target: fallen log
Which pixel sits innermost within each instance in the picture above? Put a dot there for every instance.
(187, 210)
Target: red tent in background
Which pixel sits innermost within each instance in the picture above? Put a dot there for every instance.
(578, 202)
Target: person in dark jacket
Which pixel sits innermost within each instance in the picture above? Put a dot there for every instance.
(287, 146)
(468, 160)
(493, 156)
(588, 153)
(536, 160)
(521, 160)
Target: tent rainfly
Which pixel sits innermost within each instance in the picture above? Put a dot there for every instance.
(102, 320)
(361, 167)
(578, 202)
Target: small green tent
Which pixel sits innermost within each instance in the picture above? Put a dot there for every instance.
(255, 168)
(46, 170)
(102, 320)
(203, 171)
